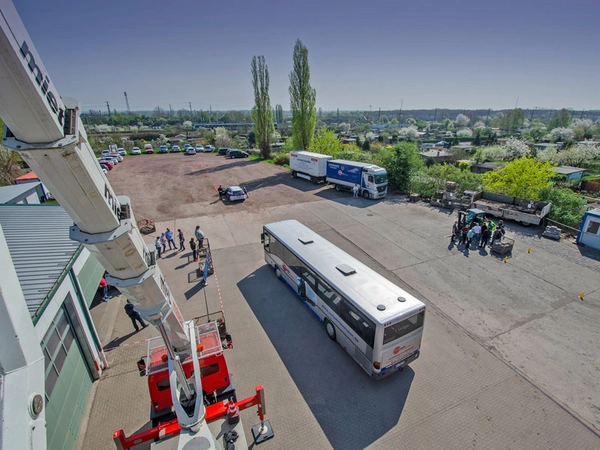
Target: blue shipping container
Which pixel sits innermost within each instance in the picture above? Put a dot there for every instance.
(344, 172)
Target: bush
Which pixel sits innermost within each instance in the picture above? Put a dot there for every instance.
(567, 206)
(281, 159)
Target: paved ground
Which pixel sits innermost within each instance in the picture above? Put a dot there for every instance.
(509, 358)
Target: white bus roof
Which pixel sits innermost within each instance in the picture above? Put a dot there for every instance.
(368, 290)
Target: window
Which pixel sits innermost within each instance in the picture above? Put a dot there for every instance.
(276, 248)
(56, 345)
(300, 269)
(329, 296)
(359, 323)
(593, 227)
(370, 178)
(400, 329)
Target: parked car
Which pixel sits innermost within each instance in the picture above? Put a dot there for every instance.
(148, 148)
(190, 151)
(199, 148)
(116, 155)
(122, 151)
(106, 165)
(163, 149)
(105, 152)
(234, 193)
(175, 149)
(109, 159)
(209, 148)
(136, 151)
(108, 162)
(223, 151)
(237, 154)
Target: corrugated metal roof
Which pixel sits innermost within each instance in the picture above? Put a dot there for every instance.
(39, 245)
(9, 193)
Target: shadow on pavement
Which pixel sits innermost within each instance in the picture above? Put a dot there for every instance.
(118, 341)
(352, 409)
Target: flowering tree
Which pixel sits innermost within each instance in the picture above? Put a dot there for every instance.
(465, 132)
(577, 154)
(479, 124)
(222, 138)
(562, 134)
(187, 124)
(516, 148)
(410, 132)
(103, 128)
(493, 153)
(461, 120)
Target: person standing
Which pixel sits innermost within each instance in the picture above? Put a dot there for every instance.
(454, 231)
(169, 236)
(181, 239)
(200, 236)
(476, 234)
(485, 235)
(355, 191)
(104, 287)
(134, 316)
(194, 249)
(157, 245)
(163, 242)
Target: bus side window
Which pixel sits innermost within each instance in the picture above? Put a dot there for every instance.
(265, 239)
(359, 323)
(329, 296)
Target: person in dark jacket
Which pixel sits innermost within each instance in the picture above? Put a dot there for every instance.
(194, 249)
(134, 315)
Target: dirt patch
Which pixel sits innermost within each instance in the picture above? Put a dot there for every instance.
(167, 186)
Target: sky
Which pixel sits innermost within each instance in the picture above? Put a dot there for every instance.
(363, 55)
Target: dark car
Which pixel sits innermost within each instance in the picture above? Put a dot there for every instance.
(237, 154)
(223, 151)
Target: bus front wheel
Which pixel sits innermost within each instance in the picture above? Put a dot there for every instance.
(330, 330)
(278, 272)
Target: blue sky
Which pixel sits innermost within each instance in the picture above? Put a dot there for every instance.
(363, 54)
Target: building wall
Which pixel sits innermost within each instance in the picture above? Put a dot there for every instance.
(589, 233)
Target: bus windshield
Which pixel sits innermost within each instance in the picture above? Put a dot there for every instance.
(400, 329)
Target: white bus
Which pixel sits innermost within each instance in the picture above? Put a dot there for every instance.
(378, 324)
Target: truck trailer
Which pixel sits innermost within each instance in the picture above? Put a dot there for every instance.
(312, 166)
(371, 179)
(527, 212)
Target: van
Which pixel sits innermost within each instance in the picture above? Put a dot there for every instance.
(148, 148)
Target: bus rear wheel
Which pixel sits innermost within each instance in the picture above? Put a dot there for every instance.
(330, 330)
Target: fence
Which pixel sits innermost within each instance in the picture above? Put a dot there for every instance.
(591, 186)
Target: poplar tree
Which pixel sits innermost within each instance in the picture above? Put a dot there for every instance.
(262, 114)
(302, 99)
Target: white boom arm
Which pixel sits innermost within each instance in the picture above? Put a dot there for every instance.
(48, 133)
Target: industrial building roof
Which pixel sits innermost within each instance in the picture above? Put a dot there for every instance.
(40, 247)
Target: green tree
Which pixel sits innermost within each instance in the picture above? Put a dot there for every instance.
(326, 142)
(262, 114)
(303, 98)
(561, 119)
(401, 162)
(567, 206)
(524, 178)
(10, 164)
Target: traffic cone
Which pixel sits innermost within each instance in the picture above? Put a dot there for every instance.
(233, 413)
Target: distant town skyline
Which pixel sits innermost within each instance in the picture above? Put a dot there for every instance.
(363, 55)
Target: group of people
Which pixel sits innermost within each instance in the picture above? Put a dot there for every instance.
(476, 234)
(166, 238)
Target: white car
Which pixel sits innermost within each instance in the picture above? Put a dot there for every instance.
(199, 148)
(234, 193)
(190, 151)
(136, 151)
(122, 151)
(115, 155)
(209, 148)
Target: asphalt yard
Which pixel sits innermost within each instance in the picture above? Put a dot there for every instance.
(509, 355)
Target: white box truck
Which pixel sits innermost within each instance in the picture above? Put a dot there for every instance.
(312, 166)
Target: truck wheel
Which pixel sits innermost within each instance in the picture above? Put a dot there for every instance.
(338, 187)
(330, 330)
(294, 174)
(366, 195)
(525, 224)
(313, 180)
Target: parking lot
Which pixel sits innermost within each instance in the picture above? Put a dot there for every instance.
(509, 356)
